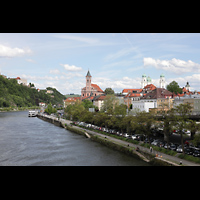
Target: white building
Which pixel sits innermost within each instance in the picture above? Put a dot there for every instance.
(142, 105)
(147, 80)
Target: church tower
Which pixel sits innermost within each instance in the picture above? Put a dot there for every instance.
(88, 83)
(162, 81)
(187, 86)
(144, 81)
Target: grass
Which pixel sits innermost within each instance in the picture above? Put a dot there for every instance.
(160, 149)
(189, 158)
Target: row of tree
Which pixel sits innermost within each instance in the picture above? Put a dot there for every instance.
(114, 116)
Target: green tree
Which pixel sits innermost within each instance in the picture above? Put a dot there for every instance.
(109, 91)
(109, 104)
(120, 109)
(50, 109)
(193, 127)
(87, 104)
(182, 113)
(174, 87)
(196, 140)
(143, 123)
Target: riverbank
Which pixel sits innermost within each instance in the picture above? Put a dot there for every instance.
(15, 109)
(154, 158)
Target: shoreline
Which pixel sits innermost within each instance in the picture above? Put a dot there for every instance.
(116, 144)
(15, 109)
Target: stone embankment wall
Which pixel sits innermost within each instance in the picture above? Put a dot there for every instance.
(52, 120)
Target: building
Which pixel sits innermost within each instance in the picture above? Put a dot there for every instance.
(147, 81)
(193, 99)
(3, 75)
(90, 89)
(130, 97)
(20, 80)
(162, 99)
(71, 101)
(98, 101)
(148, 88)
(142, 106)
(187, 86)
(126, 91)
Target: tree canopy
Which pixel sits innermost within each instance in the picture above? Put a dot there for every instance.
(174, 87)
(14, 94)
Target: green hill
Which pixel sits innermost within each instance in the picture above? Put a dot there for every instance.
(13, 94)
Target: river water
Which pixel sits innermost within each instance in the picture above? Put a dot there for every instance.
(30, 141)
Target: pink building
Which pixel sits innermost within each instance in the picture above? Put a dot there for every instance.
(90, 89)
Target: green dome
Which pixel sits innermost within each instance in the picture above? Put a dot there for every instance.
(144, 75)
(148, 79)
(162, 75)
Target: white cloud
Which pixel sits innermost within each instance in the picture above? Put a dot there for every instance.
(54, 71)
(78, 38)
(6, 51)
(71, 67)
(175, 65)
(119, 84)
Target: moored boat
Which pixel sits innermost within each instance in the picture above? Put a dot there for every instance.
(32, 113)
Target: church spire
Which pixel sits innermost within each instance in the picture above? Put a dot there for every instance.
(88, 74)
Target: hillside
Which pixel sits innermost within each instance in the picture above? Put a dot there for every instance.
(13, 94)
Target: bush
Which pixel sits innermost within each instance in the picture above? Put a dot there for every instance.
(189, 158)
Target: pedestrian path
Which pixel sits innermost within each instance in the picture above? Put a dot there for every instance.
(161, 156)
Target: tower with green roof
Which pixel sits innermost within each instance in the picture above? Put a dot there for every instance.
(162, 81)
(144, 81)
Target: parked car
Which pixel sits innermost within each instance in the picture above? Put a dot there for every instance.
(179, 149)
(155, 142)
(165, 146)
(147, 141)
(134, 137)
(173, 147)
(127, 135)
(189, 150)
(196, 153)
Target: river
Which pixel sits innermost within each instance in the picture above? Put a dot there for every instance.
(30, 141)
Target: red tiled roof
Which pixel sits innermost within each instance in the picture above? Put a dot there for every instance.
(95, 86)
(132, 95)
(88, 98)
(150, 87)
(131, 90)
(158, 93)
(101, 97)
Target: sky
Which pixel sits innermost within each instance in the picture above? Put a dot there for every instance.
(116, 60)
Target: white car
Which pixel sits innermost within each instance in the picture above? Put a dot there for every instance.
(127, 135)
(134, 137)
(179, 149)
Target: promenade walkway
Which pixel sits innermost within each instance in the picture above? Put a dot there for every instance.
(161, 156)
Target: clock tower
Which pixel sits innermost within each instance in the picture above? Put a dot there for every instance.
(88, 83)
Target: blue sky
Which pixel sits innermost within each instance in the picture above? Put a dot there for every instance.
(115, 60)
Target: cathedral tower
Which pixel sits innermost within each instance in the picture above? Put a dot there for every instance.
(144, 81)
(162, 81)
